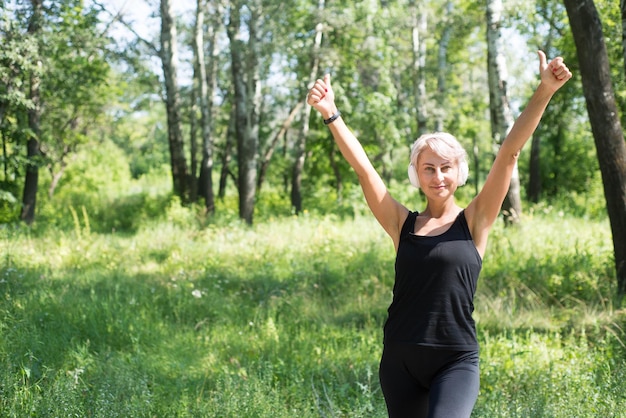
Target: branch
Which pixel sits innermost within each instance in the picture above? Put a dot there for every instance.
(119, 17)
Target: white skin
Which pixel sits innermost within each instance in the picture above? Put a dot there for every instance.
(438, 177)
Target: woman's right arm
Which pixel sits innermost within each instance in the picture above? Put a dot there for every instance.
(389, 213)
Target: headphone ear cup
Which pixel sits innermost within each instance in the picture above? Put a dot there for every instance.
(464, 173)
(413, 177)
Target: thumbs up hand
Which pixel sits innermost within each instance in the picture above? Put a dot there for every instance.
(555, 73)
(322, 97)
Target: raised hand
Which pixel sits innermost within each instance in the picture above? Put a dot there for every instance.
(553, 74)
(322, 97)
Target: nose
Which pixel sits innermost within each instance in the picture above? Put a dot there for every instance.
(439, 174)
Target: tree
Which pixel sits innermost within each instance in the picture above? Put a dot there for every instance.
(18, 61)
(562, 164)
(247, 97)
(74, 90)
(300, 147)
(206, 75)
(226, 154)
(605, 123)
(501, 115)
(274, 138)
(442, 64)
(169, 62)
(31, 182)
(622, 6)
(534, 182)
(419, 26)
(57, 94)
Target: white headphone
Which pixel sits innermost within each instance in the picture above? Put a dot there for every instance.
(415, 182)
(463, 174)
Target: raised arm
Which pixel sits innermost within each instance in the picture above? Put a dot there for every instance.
(482, 212)
(389, 213)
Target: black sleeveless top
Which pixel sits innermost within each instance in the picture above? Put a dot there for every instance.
(434, 288)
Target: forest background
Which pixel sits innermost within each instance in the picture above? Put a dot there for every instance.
(180, 237)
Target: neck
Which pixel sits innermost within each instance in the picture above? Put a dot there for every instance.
(441, 209)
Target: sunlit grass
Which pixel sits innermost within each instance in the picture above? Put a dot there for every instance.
(285, 319)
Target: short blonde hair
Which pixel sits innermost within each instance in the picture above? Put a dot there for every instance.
(444, 145)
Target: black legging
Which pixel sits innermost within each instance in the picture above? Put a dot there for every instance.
(426, 382)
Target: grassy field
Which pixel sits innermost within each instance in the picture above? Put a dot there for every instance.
(285, 319)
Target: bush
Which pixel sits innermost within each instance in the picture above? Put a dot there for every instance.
(9, 205)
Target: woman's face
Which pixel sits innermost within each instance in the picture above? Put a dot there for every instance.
(438, 176)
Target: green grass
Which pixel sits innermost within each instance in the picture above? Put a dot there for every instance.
(285, 319)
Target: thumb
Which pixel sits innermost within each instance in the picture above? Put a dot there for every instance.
(327, 80)
(543, 62)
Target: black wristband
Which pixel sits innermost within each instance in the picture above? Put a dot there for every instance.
(332, 118)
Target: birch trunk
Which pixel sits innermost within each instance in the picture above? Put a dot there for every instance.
(442, 68)
(193, 135)
(501, 115)
(419, 27)
(205, 83)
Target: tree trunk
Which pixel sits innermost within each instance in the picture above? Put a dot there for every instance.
(442, 68)
(265, 162)
(193, 136)
(419, 26)
(31, 182)
(332, 157)
(5, 159)
(206, 84)
(535, 186)
(56, 178)
(605, 124)
(169, 62)
(622, 5)
(534, 178)
(33, 153)
(501, 116)
(226, 155)
(300, 146)
(244, 67)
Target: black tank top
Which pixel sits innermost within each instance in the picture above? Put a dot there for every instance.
(434, 288)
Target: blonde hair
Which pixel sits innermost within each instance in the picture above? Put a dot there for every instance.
(444, 145)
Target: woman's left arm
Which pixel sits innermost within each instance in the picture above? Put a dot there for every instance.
(482, 212)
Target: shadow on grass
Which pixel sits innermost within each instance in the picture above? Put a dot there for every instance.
(91, 332)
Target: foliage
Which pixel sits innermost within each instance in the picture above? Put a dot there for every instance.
(16, 62)
(99, 182)
(9, 206)
(142, 136)
(367, 49)
(74, 89)
(610, 14)
(67, 58)
(531, 374)
(284, 318)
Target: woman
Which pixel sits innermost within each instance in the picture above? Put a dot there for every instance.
(429, 365)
